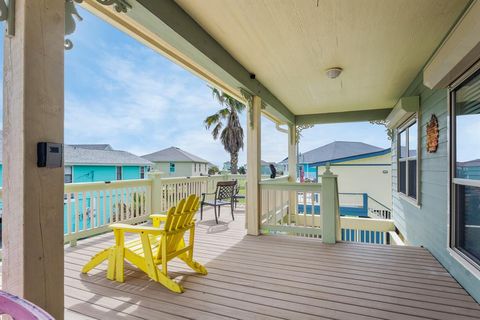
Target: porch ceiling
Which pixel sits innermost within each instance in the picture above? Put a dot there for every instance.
(288, 45)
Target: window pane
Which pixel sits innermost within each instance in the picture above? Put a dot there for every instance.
(402, 177)
(403, 144)
(412, 140)
(412, 178)
(467, 201)
(119, 173)
(467, 112)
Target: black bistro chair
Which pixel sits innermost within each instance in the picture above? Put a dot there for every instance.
(224, 196)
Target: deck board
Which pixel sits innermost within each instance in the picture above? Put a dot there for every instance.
(271, 277)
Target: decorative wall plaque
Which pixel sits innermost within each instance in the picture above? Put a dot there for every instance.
(432, 134)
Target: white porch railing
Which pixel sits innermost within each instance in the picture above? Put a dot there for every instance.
(90, 207)
(297, 209)
(289, 208)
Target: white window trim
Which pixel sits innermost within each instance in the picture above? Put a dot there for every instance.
(116, 173)
(469, 264)
(71, 173)
(404, 196)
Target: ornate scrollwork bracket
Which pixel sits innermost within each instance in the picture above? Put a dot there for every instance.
(7, 13)
(121, 6)
(299, 129)
(72, 15)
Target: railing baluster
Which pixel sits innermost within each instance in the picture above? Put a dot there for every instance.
(97, 214)
(84, 209)
(104, 211)
(69, 214)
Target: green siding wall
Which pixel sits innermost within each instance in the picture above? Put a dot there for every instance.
(427, 225)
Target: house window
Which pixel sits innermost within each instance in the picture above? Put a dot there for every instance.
(172, 167)
(119, 173)
(68, 176)
(194, 167)
(465, 168)
(142, 172)
(407, 159)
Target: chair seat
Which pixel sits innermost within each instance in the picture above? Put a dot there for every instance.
(219, 203)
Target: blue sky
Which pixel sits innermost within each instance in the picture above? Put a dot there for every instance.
(120, 92)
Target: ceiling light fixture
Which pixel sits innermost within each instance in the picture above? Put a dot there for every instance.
(333, 73)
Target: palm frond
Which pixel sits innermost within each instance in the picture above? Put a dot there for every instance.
(224, 113)
(211, 120)
(216, 130)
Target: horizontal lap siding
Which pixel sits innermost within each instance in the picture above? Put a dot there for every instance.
(428, 225)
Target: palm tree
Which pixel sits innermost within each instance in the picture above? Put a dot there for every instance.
(227, 121)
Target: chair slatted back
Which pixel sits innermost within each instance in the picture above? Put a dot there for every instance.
(225, 189)
(179, 218)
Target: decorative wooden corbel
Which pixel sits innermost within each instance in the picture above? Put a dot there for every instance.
(7, 13)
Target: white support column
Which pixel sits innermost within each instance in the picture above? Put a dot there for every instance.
(330, 211)
(292, 168)
(33, 111)
(253, 166)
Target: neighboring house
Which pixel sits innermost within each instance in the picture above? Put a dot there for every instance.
(227, 166)
(97, 162)
(175, 162)
(361, 169)
(265, 168)
(90, 163)
(469, 169)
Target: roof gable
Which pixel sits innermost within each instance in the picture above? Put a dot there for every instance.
(173, 154)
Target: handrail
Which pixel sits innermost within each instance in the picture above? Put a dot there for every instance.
(105, 185)
(291, 186)
(381, 204)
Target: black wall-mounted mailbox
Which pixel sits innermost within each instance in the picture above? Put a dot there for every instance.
(49, 154)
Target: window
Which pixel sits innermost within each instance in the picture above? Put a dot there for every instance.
(142, 172)
(194, 167)
(172, 167)
(68, 176)
(119, 173)
(465, 168)
(407, 159)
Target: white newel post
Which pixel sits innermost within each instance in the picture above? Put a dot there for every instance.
(253, 166)
(292, 168)
(33, 248)
(330, 212)
(156, 194)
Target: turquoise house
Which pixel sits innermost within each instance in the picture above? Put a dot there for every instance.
(100, 162)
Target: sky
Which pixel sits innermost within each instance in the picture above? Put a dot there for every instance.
(120, 92)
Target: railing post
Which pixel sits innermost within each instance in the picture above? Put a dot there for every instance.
(156, 193)
(292, 170)
(330, 214)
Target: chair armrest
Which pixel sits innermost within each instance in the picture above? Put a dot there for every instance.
(136, 229)
(157, 219)
(205, 193)
(159, 216)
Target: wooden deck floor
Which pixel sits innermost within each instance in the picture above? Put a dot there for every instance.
(272, 277)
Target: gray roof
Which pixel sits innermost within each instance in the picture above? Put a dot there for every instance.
(471, 163)
(337, 150)
(173, 154)
(93, 146)
(78, 154)
(82, 156)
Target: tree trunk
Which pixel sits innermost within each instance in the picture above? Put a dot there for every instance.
(234, 163)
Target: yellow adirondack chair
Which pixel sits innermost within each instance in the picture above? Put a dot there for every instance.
(156, 246)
